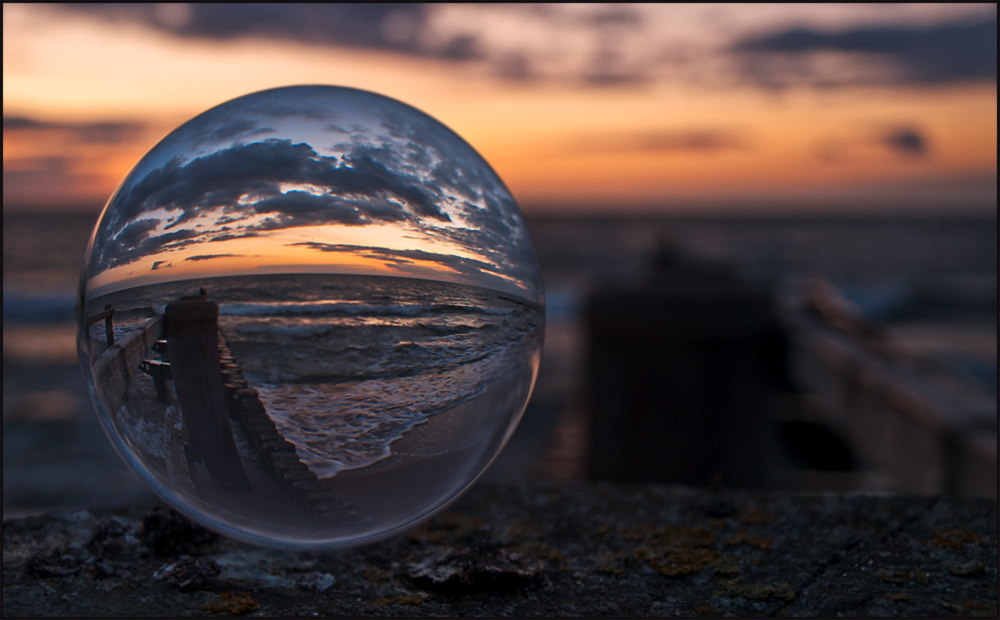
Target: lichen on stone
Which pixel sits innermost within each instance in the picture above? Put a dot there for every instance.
(969, 569)
(743, 538)
(754, 516)
(955, 539)
(483, 568)
(235, 604)
(376, 576)
(446, 527)
(754, 591)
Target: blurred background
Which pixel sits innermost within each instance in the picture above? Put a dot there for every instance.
(767, 233)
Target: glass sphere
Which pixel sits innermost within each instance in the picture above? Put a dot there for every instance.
(310, 317)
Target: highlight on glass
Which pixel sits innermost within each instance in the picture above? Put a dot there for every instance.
(310, 317)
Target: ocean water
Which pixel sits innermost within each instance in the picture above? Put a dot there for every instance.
(345, 365)
(355, 372)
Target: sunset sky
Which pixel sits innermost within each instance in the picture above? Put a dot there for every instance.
(309, 179)
(578, 108)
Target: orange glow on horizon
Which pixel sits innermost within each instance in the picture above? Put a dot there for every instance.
(551, 144)
(282, 252)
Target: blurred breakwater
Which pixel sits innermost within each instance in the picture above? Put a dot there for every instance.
(626, 328)
(915, 423)
(928, 281)
(681, 368)
(696, 375)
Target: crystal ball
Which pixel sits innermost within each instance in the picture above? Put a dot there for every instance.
(310, 317)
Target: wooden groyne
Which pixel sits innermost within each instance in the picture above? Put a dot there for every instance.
(191, 329)
(211, 390)
(114, 368)
(925, 436)
(696, 375)
(277, 453)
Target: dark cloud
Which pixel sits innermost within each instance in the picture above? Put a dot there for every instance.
(608, 30)
(922, 55)
(462, 47)
(100, 132)
(137, 241)
(53, 165)
(136, 232)
(611, 75)
(298, 208)
(51, 180)
(613, 16)
(156, 264)
(244, 128)
(361, 190)
(901, 139)
(224, 222)
(257, 169)
(612, 27)
(695, 140)
(13, 123)
(906, 141)
(229, 237)
(698, 140)
(399, 28)
(460, 264)
(209, 256)
(935, 54)
(386, 26)
(515, 67)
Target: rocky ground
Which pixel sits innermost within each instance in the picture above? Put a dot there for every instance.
(538, 550)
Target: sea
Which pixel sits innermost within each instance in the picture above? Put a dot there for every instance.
(346, 365)
(371, 379)
(931, 278)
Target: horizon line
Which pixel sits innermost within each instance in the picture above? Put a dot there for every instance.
(722, 208)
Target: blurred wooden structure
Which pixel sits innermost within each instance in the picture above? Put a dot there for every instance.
(681, 369)
(924, 430)
(688, 370)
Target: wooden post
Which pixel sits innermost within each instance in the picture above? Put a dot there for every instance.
(191, 325)
(106, 315)
(109, 330)
(680, 373)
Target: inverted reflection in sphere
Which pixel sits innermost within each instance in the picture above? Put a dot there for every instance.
(326, 315)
